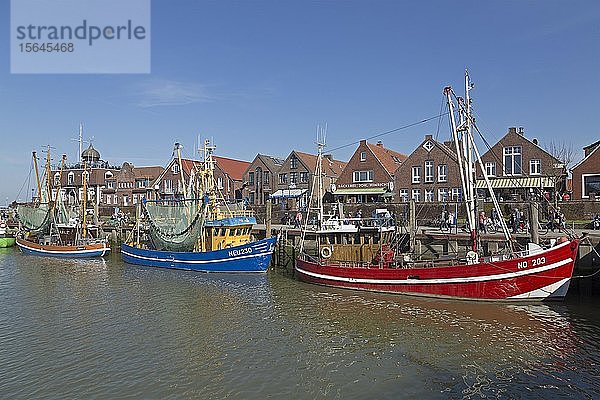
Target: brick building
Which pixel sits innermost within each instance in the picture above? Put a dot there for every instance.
(518, 166)
(260, 179)
(129, 185)
(430, 173)
(368, 177)
(71, 183)
(295, 176)
(229, 175)
(586, 174)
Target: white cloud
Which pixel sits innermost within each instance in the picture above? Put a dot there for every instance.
(159, 93)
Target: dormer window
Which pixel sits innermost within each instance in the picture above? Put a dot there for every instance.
(108, 175)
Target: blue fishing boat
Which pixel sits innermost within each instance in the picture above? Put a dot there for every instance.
(252, 257)
(198, 232)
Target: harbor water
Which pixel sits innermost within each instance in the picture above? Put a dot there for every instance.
(104, 329)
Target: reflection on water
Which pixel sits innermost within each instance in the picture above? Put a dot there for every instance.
(72, 328)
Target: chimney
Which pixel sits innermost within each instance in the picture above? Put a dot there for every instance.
(521, 131)
(512, 129)
(449, 143)
(379, 143)
(428, 137)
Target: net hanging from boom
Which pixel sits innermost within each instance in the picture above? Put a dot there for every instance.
(175, 226)
(34, 218)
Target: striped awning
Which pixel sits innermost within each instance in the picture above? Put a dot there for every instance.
(287, 193)
(378, 190)
(510, 182)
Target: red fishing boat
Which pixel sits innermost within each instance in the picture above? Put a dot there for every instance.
(362, 254)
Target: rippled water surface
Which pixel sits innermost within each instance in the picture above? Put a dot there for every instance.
(104, 329)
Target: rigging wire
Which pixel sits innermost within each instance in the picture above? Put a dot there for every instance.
(391, 131)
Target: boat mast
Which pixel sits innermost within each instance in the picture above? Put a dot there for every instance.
(178, 150)
(84, 225)
(37, 177)
(48, 180)
(465, 178)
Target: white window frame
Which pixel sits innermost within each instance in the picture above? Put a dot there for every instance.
(490, 168)
(584, 195)
(362, 176)
(416, 195)
(443, 173)
(428, 198)
(429, 171)
(535, 167)
(456, 194)
(443, 194)
(363, 156)
(416, 174)
(513, 153)
(404, 195)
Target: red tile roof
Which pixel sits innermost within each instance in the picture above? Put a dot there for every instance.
(234, 168)
(390, 159)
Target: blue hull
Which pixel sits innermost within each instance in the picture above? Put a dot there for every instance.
(252, 257)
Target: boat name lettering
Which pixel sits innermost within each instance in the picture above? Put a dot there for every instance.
(240, 252)
(538, 261)
(522, 264)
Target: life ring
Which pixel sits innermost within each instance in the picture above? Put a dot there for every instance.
(326, 252)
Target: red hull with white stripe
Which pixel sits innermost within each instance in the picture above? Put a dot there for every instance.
(543, 275)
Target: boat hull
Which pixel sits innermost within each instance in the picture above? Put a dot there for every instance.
(84, 251)
(252, 257)
(7, 242)
(542, 276)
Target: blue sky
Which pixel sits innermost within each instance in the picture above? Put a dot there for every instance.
(257, 76)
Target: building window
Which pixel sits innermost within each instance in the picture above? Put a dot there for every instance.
(110, 184)
(282, 179)
(591, 185)
(56, 179)
(416, 174)
(266, 178)
(115, 199)
(70, 178)
(490, 168)
(251, 200)
(175, 168)
(293, 162)
(535, 167)
(429, 195)
(416, 194)
(251, 177)
(168, 186)
(293, 177)
(362, 176)
(220, 183)
(428, 171)
(428, 145)
(443, 173)
(443, 194)
(363, 156)
(108, 175)
(404, 195)
(456, 194)
(303, 177)
(108, 199)
(513, 160)
(135, 198)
